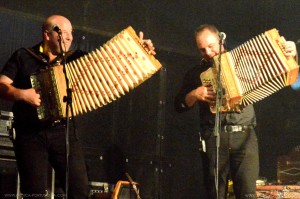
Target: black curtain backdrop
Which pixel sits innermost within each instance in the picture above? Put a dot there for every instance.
(141, 133)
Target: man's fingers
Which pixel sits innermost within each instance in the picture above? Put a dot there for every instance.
(141, 35)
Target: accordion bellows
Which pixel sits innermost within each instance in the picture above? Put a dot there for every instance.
(97, 78)
(252, 71)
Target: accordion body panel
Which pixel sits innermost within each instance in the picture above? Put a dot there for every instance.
(252, 71)
(51, 85)
(96, 79)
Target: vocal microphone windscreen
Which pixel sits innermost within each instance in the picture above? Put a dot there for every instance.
(56, 28)
(222, 35)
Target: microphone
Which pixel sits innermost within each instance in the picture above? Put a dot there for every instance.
(56, 28)
(298, 42)
(222, 35)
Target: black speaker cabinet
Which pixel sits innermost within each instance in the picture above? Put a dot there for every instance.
(124, 190)
(9, 184)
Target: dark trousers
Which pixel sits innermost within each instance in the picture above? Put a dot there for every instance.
(35, 150)
(238, 160)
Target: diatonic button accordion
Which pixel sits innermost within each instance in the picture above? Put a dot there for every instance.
(252, 71)
(97, 78)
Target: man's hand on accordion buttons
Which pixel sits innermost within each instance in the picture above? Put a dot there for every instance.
(206, 94)
(290, 49)
(31, 97)
(148, 43)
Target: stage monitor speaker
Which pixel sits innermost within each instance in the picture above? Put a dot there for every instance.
(124, 190)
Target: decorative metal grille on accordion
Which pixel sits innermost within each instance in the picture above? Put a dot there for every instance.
(252, 71)
(97, 78)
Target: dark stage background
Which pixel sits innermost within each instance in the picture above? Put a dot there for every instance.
(141, 133)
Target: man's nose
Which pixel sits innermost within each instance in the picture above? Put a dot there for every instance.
(68, 36)
(208, 51)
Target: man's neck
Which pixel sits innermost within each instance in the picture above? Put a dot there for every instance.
(51, 56)
(47, 51)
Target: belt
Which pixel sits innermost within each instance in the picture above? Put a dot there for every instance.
(236, 128)
(56, 123)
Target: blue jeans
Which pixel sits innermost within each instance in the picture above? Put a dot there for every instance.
(36, 150)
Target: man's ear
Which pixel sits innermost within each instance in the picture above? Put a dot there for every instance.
(46, 35)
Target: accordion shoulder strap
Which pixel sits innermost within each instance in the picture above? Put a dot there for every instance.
(39, 57)
(43, 59)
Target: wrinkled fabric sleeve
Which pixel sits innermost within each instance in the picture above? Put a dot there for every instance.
(10, 69)
(190, 82)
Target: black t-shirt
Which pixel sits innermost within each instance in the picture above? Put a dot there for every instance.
(19, 67)
(190, 82)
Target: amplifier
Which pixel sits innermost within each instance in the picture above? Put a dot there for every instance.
(122, 190)
(6, 135)
(101, 190)
(6, 119)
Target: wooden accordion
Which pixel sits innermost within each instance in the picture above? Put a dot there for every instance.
(97, 78)
(252, 71)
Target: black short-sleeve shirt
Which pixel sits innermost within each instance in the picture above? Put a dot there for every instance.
(190, 82)
(23, 63)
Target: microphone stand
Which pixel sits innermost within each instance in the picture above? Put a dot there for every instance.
(217, 128)
(132, 184)
(68, 100)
